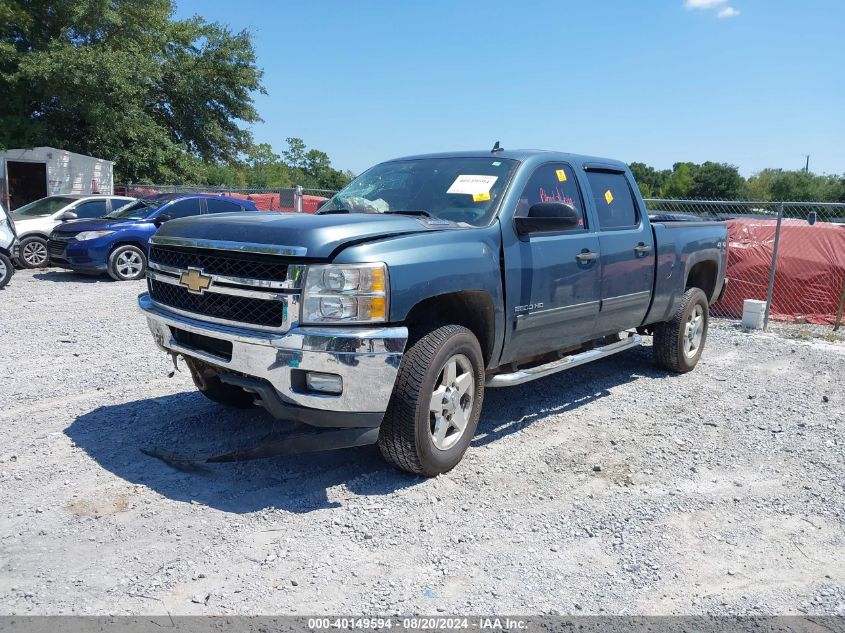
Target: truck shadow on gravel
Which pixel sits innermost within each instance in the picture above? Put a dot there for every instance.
(511, 409)
(187, 424)
(63, 276)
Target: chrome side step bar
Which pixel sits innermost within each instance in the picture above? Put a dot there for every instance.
(541, 371)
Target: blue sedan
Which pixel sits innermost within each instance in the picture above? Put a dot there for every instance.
(118, 243)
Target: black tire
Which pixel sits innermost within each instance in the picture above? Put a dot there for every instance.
(33, 252)
(407, 434)
(7, 269)
(209, 384)
(127, 263)
(673, 341)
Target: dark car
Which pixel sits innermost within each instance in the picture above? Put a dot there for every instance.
(118, 243)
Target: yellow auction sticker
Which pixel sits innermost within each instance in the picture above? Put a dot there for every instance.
(561, 175)
(608, 196)
(481, 197)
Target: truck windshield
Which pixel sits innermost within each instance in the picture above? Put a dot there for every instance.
(45, 206)
(463, 190)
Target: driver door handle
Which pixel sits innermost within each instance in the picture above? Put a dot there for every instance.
(587, 256)
(642, 249)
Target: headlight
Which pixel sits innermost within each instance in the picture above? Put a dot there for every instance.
(345, 292)
(91, 235)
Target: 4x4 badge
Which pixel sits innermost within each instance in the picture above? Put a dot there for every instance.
(195, 281)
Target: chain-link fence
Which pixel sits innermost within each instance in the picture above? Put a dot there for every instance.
(266, 199)
(789, 254)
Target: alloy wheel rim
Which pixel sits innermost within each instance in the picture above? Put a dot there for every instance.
(451, 404)
(128, 264)
(3, 270)
(694, 331)
(35, 253)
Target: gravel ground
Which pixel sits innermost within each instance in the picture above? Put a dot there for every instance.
(614, 488)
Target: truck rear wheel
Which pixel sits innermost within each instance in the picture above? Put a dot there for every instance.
(436, 402)
(679, 342)
(209, 384)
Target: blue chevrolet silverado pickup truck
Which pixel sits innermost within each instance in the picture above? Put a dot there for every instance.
(383, 318)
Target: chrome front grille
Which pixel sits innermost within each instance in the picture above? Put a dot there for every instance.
(225, 307)
(220, 263)
(231, 287)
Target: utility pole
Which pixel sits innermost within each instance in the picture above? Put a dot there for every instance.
(807, 165)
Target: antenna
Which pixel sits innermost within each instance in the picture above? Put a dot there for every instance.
(497, 148)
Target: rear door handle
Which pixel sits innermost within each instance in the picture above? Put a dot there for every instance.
(642, 249)
(587, 256)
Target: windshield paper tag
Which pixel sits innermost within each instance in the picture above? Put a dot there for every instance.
(561, 175)
(480, 197)
(472, 185)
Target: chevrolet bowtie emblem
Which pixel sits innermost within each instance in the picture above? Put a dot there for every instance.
(195, 281)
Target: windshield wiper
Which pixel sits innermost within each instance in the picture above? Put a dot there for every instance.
(411, 212)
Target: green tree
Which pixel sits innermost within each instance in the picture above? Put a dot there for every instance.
(266, 169)
(312, 168)
(804, 186)
(717, 181)
(649, 179)
(760, 184)
(124, 80)
(222, 175)
(295, 153)
(680, 182)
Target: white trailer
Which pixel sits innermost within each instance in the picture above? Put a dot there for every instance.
(30, 174)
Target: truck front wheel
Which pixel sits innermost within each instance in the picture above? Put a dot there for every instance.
(436, 402)
(678, 342)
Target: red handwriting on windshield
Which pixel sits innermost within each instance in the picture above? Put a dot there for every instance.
(555, 196)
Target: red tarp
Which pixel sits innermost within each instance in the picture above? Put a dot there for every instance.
(270, 201)
(264, 201)
(810, 269)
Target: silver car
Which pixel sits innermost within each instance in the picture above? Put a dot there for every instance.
(35, 221)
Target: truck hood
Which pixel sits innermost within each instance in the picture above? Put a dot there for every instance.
(319, 235)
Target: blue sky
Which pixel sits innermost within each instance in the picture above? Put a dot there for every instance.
(755, 83)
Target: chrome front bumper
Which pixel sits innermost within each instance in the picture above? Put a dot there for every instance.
(367, 360)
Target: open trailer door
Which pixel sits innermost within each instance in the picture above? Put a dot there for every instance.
(27, 182)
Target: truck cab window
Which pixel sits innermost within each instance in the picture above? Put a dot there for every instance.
(614, 201)
(554, 182)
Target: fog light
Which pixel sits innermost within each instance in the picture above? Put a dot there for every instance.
(327, 383)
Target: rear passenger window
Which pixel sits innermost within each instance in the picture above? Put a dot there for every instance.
(183, 208)
(614, 201)
(215, 205)
(554, 182)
